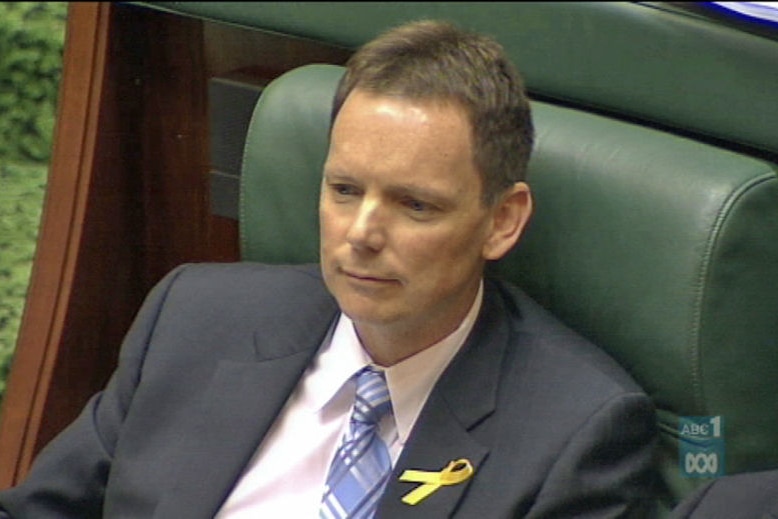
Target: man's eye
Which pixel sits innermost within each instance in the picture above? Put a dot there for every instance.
(417, 206)
(344, 189)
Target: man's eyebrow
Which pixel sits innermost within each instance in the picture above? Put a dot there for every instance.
(427, 194)
(335, 174)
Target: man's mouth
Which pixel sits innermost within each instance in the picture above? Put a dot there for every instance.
(367, 277)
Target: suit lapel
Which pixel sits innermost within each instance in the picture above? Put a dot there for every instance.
(464, 397)
(238, 408)
(434, 443)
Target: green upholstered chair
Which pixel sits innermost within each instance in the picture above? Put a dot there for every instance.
(662, 250)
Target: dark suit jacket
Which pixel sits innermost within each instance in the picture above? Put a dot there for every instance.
(553, 427)
(752, 495)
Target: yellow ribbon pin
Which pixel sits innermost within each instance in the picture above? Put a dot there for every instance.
(456, 472)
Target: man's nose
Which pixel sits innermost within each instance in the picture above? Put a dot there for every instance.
(367, 230)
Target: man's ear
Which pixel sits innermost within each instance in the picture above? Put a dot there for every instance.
(509, 216)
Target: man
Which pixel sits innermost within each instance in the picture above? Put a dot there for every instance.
(750, 495)
(254, 391)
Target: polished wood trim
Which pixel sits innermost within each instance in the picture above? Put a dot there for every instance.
(127, 201)
(51, 282)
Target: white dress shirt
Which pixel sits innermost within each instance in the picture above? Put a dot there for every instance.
(285, 477)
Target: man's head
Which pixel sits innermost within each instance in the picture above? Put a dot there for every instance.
(436, 61)
(407, 220)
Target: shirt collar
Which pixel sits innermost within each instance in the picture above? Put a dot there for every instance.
(338, 360)
(410, 381)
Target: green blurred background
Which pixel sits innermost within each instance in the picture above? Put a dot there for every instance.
(31, 43)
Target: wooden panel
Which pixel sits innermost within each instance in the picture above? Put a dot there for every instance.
(229, 48)
(127, 200)
(253, 57)
(174, 162)
(54, 270)
(126, 203)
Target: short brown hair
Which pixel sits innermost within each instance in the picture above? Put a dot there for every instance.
(438, 61)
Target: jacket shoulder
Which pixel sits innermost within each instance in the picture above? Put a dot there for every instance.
(537, 329)
(244, 283)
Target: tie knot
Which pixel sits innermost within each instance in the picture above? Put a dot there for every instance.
(372, 400)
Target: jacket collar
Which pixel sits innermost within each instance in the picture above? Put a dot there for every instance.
(239, 406)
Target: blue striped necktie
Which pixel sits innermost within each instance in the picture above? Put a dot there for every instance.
(361, 467)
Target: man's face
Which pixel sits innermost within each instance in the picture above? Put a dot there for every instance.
(403, 229)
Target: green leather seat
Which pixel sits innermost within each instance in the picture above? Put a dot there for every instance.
(662, 250)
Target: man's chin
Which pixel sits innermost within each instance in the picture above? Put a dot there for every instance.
(367, 315)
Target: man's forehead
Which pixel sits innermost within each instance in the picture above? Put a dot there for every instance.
(419, 102)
